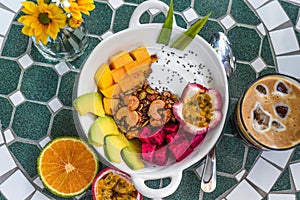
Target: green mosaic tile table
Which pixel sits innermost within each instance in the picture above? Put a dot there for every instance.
(36, 95)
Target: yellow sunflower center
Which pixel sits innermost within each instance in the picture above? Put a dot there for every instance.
(44, 19)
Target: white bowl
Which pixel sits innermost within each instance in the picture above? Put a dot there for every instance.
(198, 52)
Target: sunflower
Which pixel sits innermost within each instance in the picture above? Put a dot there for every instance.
(74, 23)
(42, 20)
(80, 6)
(85, 6)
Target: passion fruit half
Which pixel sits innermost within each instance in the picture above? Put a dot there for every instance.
(111, 183)
(199, 109)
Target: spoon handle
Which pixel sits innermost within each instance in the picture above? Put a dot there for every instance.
(209, 177)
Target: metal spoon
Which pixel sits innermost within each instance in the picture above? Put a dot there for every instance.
(221, 44)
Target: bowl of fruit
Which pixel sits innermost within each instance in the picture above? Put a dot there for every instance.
(153, 104)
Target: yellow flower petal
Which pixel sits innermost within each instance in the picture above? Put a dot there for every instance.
(43, 38)
(86, 8)
(38, 30)
(26, 30)
(28, 20)
(42, 29)
(29, 7)
(74, 23)
(53, 30)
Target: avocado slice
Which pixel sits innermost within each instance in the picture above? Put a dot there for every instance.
(132, 155)
(113, 144)
(100, 128)
(89, 102)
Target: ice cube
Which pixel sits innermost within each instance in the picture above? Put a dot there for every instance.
(261, 89)
(277, 125)
(281, 110)
(261, 119)
(281, 87)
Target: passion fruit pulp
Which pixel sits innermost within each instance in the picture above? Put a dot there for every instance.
(199, 109)
(111, 183)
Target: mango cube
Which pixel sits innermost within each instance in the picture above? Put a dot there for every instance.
(118, 74)
(119, 60)
(139, 54)
(111, 91)
(103, 77)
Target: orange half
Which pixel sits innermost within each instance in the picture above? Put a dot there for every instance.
(67, 166)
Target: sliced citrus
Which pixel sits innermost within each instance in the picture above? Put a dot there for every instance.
(67, 166)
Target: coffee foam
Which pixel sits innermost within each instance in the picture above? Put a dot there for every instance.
(277, 130)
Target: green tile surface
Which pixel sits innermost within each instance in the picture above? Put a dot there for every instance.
(230, 154)
(78, 63)
(243, 14)
(122, 17)
(189, 180)
(291, 10)
(266, 52)
(17, 40)
(36, 56)
(2, 197)
(246, 49)
(210, 28)
(237, 82)
(6, 112)
(63, 124)
(252, 156)
(65, 93)
(179, 5)
(33, 120)
(218, 8)
(296, 156)
(27, 155)
(10, 74)
(224, 184)
(96, 26)
(283, 183)
(267, 70)
(39, 83)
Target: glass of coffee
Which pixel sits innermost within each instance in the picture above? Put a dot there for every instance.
(267, 115)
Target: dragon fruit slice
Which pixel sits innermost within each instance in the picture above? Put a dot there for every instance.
(185, 154)
(171, 128)
(180, 135)
(161, 156)
(199, 109)
(178, 148)
(148, 151)
(170, 137)
(157, 137)
(197, 140)
(144, 134)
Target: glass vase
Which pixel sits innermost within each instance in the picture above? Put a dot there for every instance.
(69, 44)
